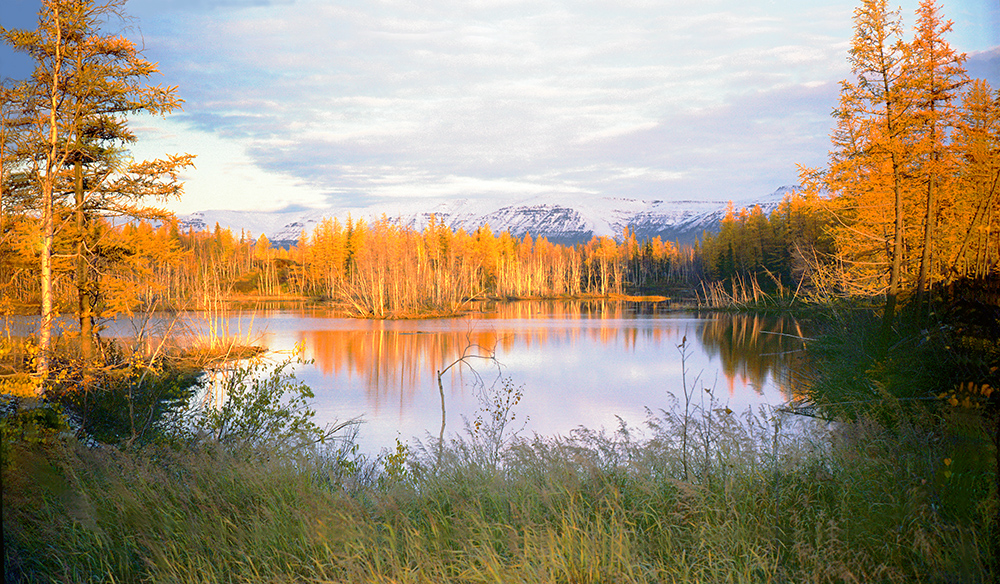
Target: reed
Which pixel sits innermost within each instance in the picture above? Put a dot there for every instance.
(744, 292)
(762, 501)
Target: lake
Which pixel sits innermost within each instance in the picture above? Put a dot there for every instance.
(577, 363)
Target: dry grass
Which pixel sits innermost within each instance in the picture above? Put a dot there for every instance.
(762, 502)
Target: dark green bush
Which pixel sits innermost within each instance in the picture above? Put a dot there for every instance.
(123, 396)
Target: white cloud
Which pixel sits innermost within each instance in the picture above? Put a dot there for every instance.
(484, 98)
(225, 176)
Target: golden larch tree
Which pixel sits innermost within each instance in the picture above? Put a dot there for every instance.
(871, 142)
(83, 86)
(936, 72)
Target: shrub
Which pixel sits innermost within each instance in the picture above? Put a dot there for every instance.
(253, 406)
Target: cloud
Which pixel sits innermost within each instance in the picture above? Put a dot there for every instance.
(143, 5)
(225, 175)
(351, 102)
(497, 98)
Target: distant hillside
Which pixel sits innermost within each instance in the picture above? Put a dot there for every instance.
(560, 219)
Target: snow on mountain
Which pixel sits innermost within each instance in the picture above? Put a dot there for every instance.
(566, 219)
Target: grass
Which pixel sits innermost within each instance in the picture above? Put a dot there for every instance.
(745, 294)
(763, 503)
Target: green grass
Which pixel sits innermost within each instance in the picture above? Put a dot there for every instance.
(857, 503)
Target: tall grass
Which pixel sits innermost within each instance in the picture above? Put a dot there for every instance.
(744, 292)
(763, 501)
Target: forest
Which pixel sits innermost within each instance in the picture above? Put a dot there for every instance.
(891, 250)
(377, 270)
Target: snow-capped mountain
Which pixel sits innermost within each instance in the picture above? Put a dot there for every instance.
(561, 219)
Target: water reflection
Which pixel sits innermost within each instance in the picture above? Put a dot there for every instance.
(755, 349)
(395, 359)
(586, 363)
(580, 362)
(393, 364)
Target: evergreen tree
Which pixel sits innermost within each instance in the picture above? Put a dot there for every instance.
(936, 72)
(84, 84)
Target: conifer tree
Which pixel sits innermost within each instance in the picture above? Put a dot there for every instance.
(936, 72)
(871, 143)
(84, 84)
(976, 145)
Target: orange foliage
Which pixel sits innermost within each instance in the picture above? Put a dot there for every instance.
(375, 269)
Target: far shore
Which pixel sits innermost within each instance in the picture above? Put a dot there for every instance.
(252, 301)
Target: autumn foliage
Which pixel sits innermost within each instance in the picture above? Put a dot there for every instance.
(376, 269)
(912, 179)
(64, 158)
(909, 200)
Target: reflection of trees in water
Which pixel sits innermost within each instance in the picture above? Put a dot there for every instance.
(393, 364)
(756, 347)
(573, 308)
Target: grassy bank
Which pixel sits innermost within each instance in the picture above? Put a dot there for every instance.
(746, 501)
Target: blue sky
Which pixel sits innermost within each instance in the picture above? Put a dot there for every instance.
(353, 103)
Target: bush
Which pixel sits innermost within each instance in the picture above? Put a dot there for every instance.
(124, 396)
(252, 406)
(29, 422)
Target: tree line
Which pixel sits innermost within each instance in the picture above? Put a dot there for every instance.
(910, 197)
(376, 269)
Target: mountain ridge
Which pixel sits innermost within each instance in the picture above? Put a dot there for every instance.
(567, 219)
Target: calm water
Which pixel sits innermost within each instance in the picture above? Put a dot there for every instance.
(578, 363)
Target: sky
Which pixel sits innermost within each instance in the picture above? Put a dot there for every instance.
(353, 103)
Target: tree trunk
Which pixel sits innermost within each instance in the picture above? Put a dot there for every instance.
(52, 163)
(929, 228)
(929, 224)
(897, 257)
(84, 308)
(45, 264)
